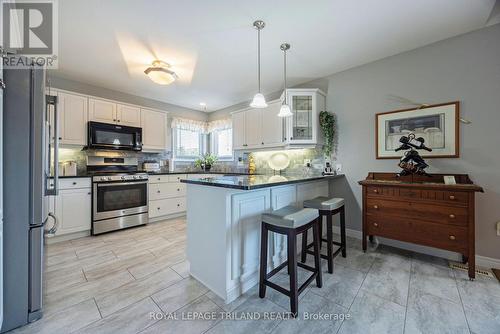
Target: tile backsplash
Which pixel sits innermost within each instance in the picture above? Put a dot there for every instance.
(261, 158)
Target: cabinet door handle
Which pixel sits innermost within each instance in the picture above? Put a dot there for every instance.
(375, 191)
(74, 183)
(118, 120)
(89, 193)
(452, 197)
(452, 216)
(159, 179)
(375, 224)
(158, 208)
(452, 237)
(158, 191)
(114, 120)
(60, 138)
(178, 205)
(178, 189)
(375, 207)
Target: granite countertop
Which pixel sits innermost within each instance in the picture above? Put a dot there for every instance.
(251, 182)
(156, 173)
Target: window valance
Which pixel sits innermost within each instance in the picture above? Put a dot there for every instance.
(200, 126)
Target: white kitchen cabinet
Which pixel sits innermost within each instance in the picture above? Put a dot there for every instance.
(102, 111)
(303, 127)
(73, 110)
(128, 115)
(166, 195)
(272, 125)
(73, 206)
(154, 130)
(239, 130)
(253, 128)
(258, 128)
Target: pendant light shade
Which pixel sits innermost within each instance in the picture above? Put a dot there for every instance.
(161, 73)
(285, 108)
(259, 101)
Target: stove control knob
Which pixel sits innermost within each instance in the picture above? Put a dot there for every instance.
(109, 178)
(123, 177)
(135, 177)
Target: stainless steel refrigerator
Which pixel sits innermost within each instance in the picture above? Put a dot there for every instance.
(29, 146)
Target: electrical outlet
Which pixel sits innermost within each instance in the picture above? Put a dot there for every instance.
(307, 162)
(338, 168)
(498, 229)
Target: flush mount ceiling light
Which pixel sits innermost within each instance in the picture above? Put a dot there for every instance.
(161, 73)
(285, 108)
(259, 101)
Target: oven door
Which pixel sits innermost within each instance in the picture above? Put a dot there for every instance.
(117, 199)
(116, 137)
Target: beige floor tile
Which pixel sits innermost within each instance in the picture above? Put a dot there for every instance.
(130, 320)
(182, 268)
(179, 295)
(65, 321)
(72, 265)
(63, 281)
(142, 270)
(116, 265)
(64, 298)
(127, 294)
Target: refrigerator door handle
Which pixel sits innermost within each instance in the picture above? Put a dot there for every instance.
(54, 191)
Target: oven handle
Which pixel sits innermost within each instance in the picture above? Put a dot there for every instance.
(117, 184)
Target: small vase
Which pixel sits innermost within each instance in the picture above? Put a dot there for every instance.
(207, 167)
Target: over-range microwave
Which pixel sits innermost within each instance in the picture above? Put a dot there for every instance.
(114, 137)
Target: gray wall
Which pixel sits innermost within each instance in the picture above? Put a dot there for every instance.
(464, 68)
(84, 88)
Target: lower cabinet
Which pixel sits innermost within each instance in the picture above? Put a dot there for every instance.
(167, 195)
(72, 207)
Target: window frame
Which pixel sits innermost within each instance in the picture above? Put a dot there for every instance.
(214, 144)
(201, 144)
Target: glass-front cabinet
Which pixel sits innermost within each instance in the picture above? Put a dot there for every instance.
(303, 127)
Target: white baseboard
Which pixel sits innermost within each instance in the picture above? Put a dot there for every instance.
(66, 237)
(481, 261)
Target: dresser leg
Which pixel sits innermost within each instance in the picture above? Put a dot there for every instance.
(364, 242)
(464, 259)
(472, 267)
(370, 237)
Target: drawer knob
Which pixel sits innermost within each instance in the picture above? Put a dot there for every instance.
(375, 207)
(159, 179)
(158, 191)
(178, 189)
(452, 197)
(375, 191)
(89, 193)
(158, 208)
(74, 183)
(375, 224)
(178, 205)
(452, 237)
(452, 216)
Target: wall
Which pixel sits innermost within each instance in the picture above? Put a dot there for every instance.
(464, 68)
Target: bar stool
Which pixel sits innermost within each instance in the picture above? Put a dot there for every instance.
(290, 221)
(328, 207)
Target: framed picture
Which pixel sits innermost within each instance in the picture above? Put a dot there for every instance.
(438, 124)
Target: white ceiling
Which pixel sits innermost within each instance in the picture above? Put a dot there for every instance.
(212, 45)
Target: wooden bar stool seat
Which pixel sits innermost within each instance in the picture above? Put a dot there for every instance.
(328, 207)
(290, 221)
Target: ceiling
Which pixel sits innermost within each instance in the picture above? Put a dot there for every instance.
(212, 44)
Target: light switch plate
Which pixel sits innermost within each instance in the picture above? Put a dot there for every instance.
(338, 168)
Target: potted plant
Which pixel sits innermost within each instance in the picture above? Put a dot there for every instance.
(327, 124)
(206, 162)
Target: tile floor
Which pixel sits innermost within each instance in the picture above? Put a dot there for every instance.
(112, 283)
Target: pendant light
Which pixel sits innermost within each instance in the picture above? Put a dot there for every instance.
(285, 108)
(259, 101)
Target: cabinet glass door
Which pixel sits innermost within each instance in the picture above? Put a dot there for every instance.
(302, 119)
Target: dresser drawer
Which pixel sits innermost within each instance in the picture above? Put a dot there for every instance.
(430, 212)
(165, 207)
(448, 197)
(381, 191)
(453, 238)
(166, 190)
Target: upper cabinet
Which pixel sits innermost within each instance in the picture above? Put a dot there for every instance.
(128, 115)
(154, 130)
(72, 118)
(102, 111)
(258, 128)
(303, 127)
(109, 112)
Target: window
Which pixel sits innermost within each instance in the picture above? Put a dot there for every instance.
(187, 144)
(222, 144)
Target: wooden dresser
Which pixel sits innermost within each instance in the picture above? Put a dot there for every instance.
(421, 210)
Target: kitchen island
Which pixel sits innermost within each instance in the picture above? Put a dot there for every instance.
(223, 225)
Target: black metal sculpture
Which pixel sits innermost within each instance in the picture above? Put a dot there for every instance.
(411, 162)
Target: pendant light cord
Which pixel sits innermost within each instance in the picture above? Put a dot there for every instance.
(284, 68)
(258, 57)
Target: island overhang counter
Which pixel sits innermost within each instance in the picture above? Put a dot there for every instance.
(223, 225)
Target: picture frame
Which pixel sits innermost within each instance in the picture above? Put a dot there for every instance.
(438, 124)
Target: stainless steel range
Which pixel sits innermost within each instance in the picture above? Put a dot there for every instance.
(119, 194)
